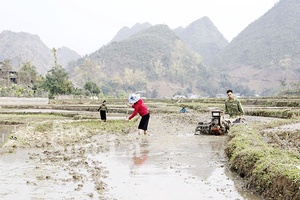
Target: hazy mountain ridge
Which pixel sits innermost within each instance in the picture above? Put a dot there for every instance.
(66, 55)
(18, 47)
(148, 51)
(203, 37)
(263, 57)
(159, 63)
(266, 53)
(25, 47)
(196, 59)
(126, 32)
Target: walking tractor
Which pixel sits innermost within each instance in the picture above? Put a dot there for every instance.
(217, 125)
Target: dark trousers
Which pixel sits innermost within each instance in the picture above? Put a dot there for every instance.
(144, 122)
(103, 114)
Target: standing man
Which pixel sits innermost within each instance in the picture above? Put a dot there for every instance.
(140, 108)
(233, 106)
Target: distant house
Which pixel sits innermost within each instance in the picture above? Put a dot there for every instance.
(237, 95)
(179, 97)
(220, 96)
(194, 96)
(7, 75)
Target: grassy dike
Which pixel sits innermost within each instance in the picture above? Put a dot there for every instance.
(269, 169)
(45, 130)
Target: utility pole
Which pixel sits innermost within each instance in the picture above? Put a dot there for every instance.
(55, 58)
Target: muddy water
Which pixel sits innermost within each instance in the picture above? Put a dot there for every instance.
(171, 167)
(22, 177)
(170, 163)
(5, 131)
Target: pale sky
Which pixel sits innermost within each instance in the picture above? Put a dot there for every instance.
(86, 25)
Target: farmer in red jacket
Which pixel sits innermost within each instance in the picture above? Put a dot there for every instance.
(140, 108)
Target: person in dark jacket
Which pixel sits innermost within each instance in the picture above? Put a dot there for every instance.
(103, 110)
(140, 108)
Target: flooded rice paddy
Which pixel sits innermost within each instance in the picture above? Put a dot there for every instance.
(169, 163)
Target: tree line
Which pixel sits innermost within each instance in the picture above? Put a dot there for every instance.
(28, 83)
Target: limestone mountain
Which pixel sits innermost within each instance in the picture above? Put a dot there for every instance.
(126, 32)
(154, 60)
(197, 59)
(21, 47)
(203, 37)
(24, 47)
(266, 54)
(66, 55)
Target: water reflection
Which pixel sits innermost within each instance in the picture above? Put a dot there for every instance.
(140, 154)
(169, 167)
(5, 130)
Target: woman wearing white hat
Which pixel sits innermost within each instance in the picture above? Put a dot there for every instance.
(140, 108)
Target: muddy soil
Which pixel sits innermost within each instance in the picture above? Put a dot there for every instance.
(169, 163)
